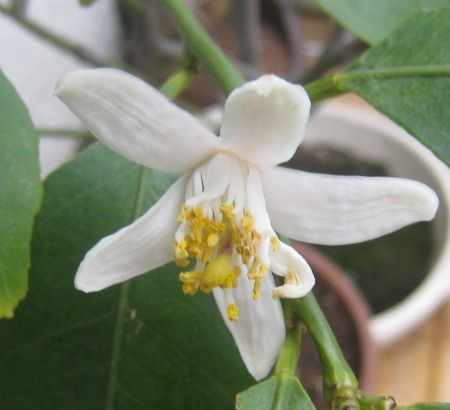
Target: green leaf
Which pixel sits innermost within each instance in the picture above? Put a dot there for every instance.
(20, 196)
(279, 392)
(407, 77)
(425, 406)
(86, 3)
(141, 345)
(373, 21)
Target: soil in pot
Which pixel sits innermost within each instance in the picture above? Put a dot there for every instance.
(386, 269)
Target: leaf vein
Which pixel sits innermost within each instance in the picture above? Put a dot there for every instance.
(59, 332)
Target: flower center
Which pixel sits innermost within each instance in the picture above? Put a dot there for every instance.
(224, 228)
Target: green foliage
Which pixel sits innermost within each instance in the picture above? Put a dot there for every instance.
(373, 21)
(20, 196)
(86, 2)
(425, 406)
(141, 345)
(407, 77)
(278, 392)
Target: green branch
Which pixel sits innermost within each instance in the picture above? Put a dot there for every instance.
(398, 72)
(324, 88)
(181, 79)
(288, 358)
(340, 383)
(336, 84)
(200, 44)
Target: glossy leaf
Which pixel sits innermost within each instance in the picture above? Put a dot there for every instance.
(407, 77)
(20, 196)
(425, 406)
(142, 345)
(279, 392)
(373, 21)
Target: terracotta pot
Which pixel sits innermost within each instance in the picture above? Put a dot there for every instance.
(349, 317)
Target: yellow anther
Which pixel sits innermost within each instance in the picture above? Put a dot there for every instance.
(235, 233)
(215, 226)
(190, 282)
(257, 270)
(213, 238)
(276, 244)
(263, 269)
(184, 214)
(233, 312)
(197, 213)
(257, 289)
(292, 278)
(204, 288)
(217, 271)
(195, 249)
(231, 280)
(277, 293)
(190, 289)
(180, 250)
(182, 262)
(247, 222)
(189, 277)
(228, 211)
(253, 272)
(207, 254)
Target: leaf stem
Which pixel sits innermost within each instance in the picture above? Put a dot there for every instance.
(376, 403)
(339, 381)
(181, 79)
(64, 133)
(200, 44)
(288, 358)
(122, 309)
(324, 88)
(336, 84)
(437, 70)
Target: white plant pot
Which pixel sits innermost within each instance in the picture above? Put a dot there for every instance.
(372, 137)
(34, 66)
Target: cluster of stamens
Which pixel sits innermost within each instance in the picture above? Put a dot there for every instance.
(224, 246)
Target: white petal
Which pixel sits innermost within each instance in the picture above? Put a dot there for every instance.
(338, 210)
(287, 262)
(135, 249)
(135, 120)
(213, 181)
(256, 202)
(264, 120)
(259, 333)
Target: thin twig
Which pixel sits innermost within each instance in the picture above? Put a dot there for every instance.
(249, 32)
(294, 36)
(18, 7)
(337, 51)
(65, 133)
(52, 38)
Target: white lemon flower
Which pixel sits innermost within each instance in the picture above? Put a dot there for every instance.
(224, 210)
